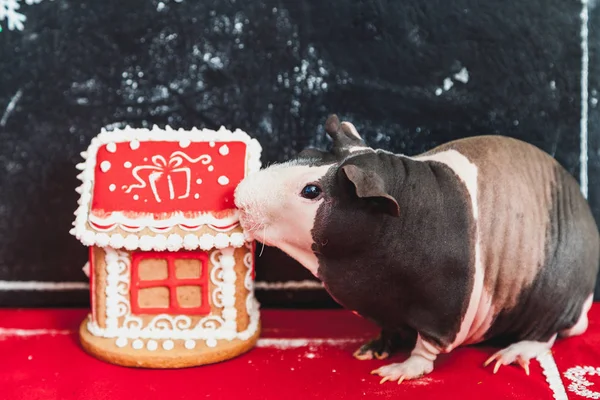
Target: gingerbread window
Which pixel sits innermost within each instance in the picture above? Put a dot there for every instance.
(171, 283)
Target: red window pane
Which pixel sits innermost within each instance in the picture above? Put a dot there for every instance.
(172, 283)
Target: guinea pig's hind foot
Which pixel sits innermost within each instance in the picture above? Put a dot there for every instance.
(520, 353)
(418, 364)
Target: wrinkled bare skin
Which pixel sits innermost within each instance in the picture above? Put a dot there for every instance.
(461, 244)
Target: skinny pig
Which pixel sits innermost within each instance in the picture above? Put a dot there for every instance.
(480, 238)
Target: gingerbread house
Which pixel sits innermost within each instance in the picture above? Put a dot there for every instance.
(171, 271)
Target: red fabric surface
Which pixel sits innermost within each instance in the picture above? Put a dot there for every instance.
(53, 366)
(573, 355)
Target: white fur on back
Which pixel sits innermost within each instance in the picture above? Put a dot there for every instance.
(354, 149)
(465, 169)
(477, 319)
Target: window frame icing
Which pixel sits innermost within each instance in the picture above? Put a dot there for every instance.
(171, 282)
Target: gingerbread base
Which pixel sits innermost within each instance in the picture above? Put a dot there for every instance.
(178, 357)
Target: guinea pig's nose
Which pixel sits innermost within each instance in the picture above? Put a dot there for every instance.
(236, 200)
(246, 221)
(240, 205)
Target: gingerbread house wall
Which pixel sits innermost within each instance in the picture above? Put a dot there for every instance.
(100, 275)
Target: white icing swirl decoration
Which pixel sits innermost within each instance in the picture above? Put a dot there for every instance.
(128, 329)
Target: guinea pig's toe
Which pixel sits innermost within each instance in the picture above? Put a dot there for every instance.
(363, 354)
(524, 364)
(519, 353)
(414, 367)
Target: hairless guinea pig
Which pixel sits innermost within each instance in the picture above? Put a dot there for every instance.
(480, 238)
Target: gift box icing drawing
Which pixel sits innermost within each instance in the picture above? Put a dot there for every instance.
(171, 271)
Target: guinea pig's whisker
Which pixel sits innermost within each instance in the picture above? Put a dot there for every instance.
(257, 226)
(264, 237)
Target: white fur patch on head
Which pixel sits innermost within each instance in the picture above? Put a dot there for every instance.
(355, 149)
(274, 213)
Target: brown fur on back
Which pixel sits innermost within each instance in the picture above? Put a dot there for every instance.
(518, 187)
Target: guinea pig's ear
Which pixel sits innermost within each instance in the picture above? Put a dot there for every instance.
(370, 185)
(350, 130)
(332, 125)
(344, 135)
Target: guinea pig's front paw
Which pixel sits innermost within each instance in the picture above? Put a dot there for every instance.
(384, 345)
(375, 348)
(414, 367)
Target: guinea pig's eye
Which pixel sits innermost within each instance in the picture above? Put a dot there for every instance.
(310, 192)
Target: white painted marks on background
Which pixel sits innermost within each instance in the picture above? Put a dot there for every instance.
(11, 106)
(10, 10)
(585, 60)
(461, 76)
(42, 286)
(65, 286)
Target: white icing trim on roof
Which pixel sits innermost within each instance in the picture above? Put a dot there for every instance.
(172, 242)
(162, 225)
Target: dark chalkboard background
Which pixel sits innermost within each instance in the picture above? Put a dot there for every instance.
(409, 74)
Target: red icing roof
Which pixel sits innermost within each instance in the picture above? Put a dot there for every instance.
(158, 178)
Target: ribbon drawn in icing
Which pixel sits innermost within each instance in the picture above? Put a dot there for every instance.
(160, 166)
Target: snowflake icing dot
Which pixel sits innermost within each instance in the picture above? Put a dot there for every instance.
(112, 187)
(190, 344)
(152, 345)
(223, 180)
(111, 147)
(168, 345)
(224, 150)
(134, 144)
(127, 164)
(105, 166)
